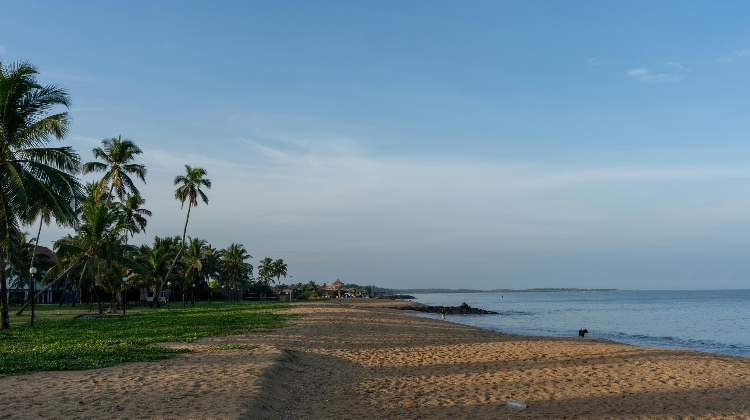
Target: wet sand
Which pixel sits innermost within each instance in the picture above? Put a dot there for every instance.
(356, 359)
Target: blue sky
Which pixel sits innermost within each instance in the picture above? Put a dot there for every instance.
(427, 144)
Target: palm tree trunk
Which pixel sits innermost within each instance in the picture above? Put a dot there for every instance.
(4, 317)
(176, 257)
(79, 295)
(28, 302)
(98, 301)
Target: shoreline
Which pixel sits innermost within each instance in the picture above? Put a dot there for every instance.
(355, 358)
(563, 337)
(656, 320)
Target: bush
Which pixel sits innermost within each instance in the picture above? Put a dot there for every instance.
(258, 288)
(302, 297)
(313, 295)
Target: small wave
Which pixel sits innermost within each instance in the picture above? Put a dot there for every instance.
(678, 343)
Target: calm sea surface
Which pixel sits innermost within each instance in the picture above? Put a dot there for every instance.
(716, 321)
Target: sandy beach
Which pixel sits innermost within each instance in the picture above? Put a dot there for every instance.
(357, 358)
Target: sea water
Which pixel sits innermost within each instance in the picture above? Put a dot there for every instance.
(716, 321)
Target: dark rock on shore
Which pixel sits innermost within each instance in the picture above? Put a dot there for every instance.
(463, 309)
(392, 297)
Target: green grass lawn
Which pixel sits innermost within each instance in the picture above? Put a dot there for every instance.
(60, 342)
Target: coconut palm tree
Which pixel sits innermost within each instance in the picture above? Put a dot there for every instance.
(98, 241)
(265, 270)
(232, 265)
(189, 190)
(199, 262)
(134, 217)
(117, 155)
(29, 170)
(279, 269)
(155, 260)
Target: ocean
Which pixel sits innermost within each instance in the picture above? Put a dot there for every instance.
(715, 321)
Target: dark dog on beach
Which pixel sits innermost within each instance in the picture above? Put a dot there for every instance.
(582, 333)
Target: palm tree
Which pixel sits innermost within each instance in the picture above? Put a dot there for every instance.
(199, 261)
(155, 261)
(117, 155)
(133, 215)
(233, 266)
(211, 266)
(30, 171)
(265, 270)
(189, 190)
(279, 269)
(98, 241)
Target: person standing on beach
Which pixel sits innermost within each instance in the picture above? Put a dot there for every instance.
(442, 314)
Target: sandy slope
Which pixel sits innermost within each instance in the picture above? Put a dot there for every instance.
(352, 359)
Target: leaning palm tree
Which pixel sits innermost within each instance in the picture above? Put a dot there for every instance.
(189, 190)
(279, 269)
(117, 155)
(30, 172)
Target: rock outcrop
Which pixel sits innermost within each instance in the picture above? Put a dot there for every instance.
(463, 309)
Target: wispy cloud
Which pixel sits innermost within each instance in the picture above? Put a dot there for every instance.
(643, 74)
(2, 50)
(735, 55)
(321, 201)
(605, 63)
(675, 65)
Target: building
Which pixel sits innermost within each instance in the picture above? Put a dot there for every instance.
(18, 292)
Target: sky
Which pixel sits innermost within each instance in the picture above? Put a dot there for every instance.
(425, 144)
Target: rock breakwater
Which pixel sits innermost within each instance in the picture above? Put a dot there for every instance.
(463, 309)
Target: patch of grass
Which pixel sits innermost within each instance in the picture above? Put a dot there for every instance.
(60, 342)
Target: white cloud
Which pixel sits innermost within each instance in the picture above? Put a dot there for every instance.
(677, 66)
(2, 50)
(604, 63)
(735, 55)
(643, 74)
